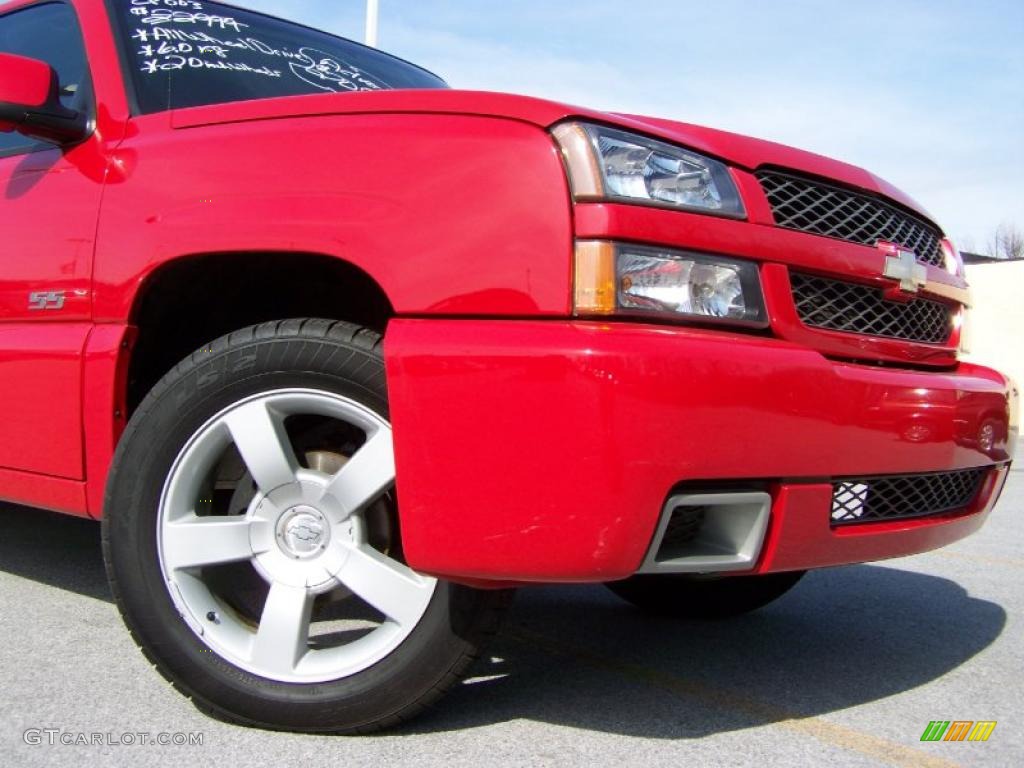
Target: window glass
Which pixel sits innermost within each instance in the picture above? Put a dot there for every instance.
(189, 53)
(50, 33)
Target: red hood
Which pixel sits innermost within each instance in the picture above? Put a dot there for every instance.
(742, 151)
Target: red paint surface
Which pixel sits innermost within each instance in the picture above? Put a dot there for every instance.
(103, 401)
(530, 447)
(407, 198)
(800, 536)
(26, 82)
(545, 450)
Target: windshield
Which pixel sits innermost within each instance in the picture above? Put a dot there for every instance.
(189, 53)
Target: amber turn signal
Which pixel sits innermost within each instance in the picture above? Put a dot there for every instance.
(594, 278)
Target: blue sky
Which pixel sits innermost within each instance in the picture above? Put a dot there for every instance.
(929, 95)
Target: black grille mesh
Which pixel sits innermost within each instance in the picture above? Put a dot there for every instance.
(852, 308)
(810, 206)
(895, 497)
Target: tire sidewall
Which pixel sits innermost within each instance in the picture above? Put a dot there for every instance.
(156, 435)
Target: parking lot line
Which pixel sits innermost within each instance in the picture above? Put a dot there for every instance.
(875, 747)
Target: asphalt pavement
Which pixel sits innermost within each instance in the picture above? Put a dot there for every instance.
(847, 669)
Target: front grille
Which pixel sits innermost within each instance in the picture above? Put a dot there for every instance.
(853, 308)
(897, 497)
(810, 206)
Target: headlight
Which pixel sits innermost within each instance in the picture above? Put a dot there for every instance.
(617, 278)
(608, 164)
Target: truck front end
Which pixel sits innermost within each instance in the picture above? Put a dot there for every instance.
(759, 373)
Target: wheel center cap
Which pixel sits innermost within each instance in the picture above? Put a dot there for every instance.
(303, 532)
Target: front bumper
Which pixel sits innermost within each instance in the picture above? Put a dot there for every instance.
(534, 451)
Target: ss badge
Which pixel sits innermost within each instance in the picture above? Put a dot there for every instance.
(46, 300)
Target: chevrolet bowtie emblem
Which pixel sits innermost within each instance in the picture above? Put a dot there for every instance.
(902, 265)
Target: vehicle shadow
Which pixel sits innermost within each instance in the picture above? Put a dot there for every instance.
(577, 656)
(582, 658)
(52, 549)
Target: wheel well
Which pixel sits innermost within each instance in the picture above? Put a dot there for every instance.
(192, 301)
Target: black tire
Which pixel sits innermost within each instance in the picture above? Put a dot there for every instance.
(328, 356)
(692, 597)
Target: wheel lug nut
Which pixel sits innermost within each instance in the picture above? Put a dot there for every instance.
(213, 617)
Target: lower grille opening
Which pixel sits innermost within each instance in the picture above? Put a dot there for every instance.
(709, 532)
(899, 497)
(683, 528)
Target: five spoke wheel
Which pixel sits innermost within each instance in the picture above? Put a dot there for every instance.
(305, 532)
(252, 539)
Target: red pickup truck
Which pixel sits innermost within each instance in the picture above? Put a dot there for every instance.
(340, 356)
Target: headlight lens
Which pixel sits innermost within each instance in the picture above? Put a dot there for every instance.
(625, 279)
(608, 164)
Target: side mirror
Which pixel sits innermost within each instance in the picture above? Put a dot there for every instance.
(30, 102)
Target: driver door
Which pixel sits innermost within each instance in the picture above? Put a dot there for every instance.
(49, 203)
